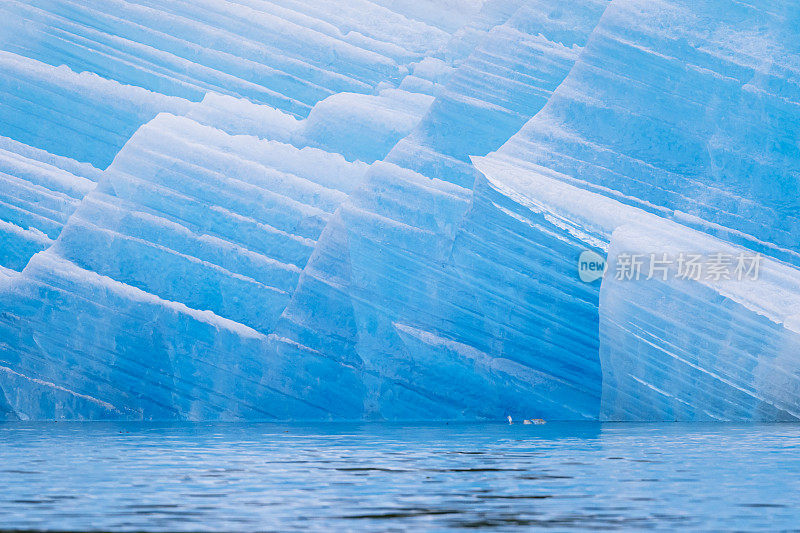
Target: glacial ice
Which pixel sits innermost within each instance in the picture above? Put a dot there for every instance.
(676, 106)
(75, 115)
(383, 264)
(359, 209)
(191, 233)
(288, 55)
(676, 109)
(741, 341)
(39, 192)
(671, 349)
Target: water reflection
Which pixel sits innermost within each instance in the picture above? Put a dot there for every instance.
(247, 477)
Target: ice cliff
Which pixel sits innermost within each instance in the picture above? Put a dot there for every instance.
(375, 209)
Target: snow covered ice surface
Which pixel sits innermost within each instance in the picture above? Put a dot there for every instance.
(365, 209)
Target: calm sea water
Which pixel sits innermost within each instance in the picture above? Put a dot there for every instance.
(256, 477)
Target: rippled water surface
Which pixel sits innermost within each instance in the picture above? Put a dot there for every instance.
(248, 477)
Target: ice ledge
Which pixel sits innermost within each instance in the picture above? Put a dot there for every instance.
(50, 263)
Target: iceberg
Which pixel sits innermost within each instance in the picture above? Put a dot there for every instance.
(382, 269)
(671, 347)
(374, 210)
(696, 134)
(170, 248)
(701, 128)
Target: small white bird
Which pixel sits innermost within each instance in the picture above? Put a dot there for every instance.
(510, 420)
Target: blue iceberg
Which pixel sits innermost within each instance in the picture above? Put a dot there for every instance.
(372, 209)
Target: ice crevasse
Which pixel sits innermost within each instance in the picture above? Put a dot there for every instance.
(374, 210)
